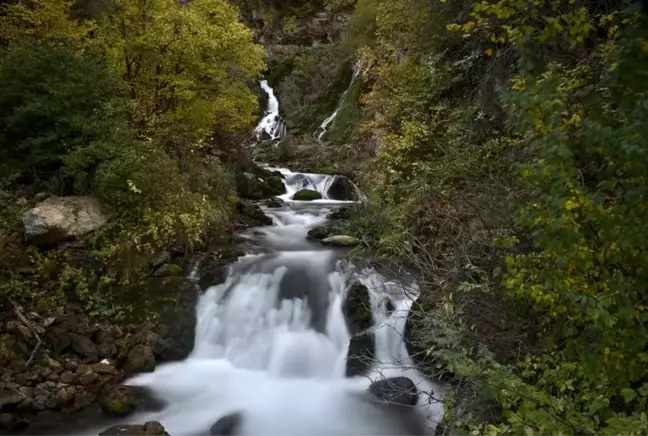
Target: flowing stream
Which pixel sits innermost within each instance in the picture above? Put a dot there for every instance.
(324, 126)
(271, 342)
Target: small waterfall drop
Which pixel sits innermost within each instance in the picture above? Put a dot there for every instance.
(271, 125)
(323, 127)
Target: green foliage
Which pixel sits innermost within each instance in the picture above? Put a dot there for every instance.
(524, 195)
(53, 102)
(104, 106)
(180, 61)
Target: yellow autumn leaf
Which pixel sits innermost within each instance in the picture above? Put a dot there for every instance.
(489, 52)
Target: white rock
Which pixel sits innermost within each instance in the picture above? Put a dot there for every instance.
(61, 218)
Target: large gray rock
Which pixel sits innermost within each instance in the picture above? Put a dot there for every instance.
(227, 425)
(60, 218)
(395, 390)
(140, 359)
(357, 308)
(342, 189)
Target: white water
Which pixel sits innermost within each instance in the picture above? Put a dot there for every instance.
(323, 127)
(271, 124)
(271, 342)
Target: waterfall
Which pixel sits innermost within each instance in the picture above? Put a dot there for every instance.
(271, 125)
(272, 341)
(323, 127)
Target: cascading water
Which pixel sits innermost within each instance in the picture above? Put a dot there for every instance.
(271, 125)
(323, 127)
(271, 342)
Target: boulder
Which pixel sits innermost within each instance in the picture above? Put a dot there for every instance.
(116, 401)
(357, 308)
(259, 184)
(168, 270)
(319, 233)
(160, 258)
(9, 397)
(60, 218)
(342, 189)
(253, 215)
(247, 185)
(140, 359)
(395, 390)
(307, 195)
(342, 213)
(84, 346)
(152, 428)
(213, 268)
(274, 203)
(227, 425)
(341, 241)
(361, 354)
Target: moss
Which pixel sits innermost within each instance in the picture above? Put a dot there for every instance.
(116, 401)
(307, 195)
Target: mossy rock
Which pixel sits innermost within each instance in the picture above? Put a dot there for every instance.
(307, 195)
(275, 185)
(320, 232)
(117, 401)
(341, 241)
(357, 308)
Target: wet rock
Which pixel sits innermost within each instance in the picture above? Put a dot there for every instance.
(213, 269)
(152, 428)
(258, 185)
(253, 215)
(60, 218)
(395, 390)
(88, 378)
(342, 189)
(389, 306)
(9, 397)
(247, 185)
(140, 359)
(319, 233)
(160, 258)
(168, 270)
(361, 354)
(357, 308)
(119, 400)
(341, 241)
(84, 346)
(341, 213)
(274, 203)
(307, 195)
(227, 425)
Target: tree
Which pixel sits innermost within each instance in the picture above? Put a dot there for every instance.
(183, 62)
